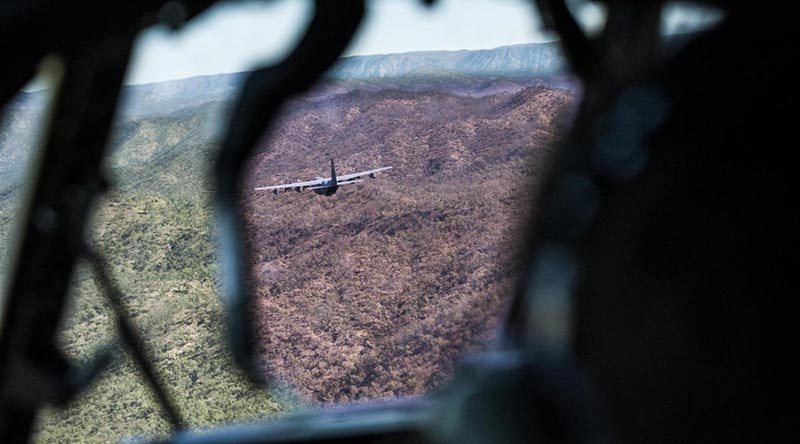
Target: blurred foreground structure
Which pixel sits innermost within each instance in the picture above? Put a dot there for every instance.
(655, 308)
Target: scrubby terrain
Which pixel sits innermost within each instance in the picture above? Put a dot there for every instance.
(378, 290)
(154, 227)
(373, 292)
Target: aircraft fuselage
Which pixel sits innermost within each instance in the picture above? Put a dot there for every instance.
(328, 191)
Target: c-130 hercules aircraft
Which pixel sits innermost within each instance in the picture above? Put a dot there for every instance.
(326, 186)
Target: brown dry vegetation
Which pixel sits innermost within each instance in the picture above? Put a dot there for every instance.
(378, 290)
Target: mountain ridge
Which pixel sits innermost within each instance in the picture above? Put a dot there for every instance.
(530, 59)
(523, 61)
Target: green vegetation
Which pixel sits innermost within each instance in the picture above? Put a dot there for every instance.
(154, 228)
(160, 254)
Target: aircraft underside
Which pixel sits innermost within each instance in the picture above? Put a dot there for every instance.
(330, 191)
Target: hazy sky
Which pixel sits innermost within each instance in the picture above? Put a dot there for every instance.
(238, 36)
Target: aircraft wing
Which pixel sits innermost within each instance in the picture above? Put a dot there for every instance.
(309, 183)
(361, 174)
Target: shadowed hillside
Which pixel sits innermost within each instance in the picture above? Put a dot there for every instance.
(377, 290)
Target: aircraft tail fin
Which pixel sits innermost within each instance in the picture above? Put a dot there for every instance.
(333, 173)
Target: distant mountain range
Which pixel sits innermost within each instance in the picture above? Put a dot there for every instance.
(477, 72)
(415, 70)
(529, 60)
